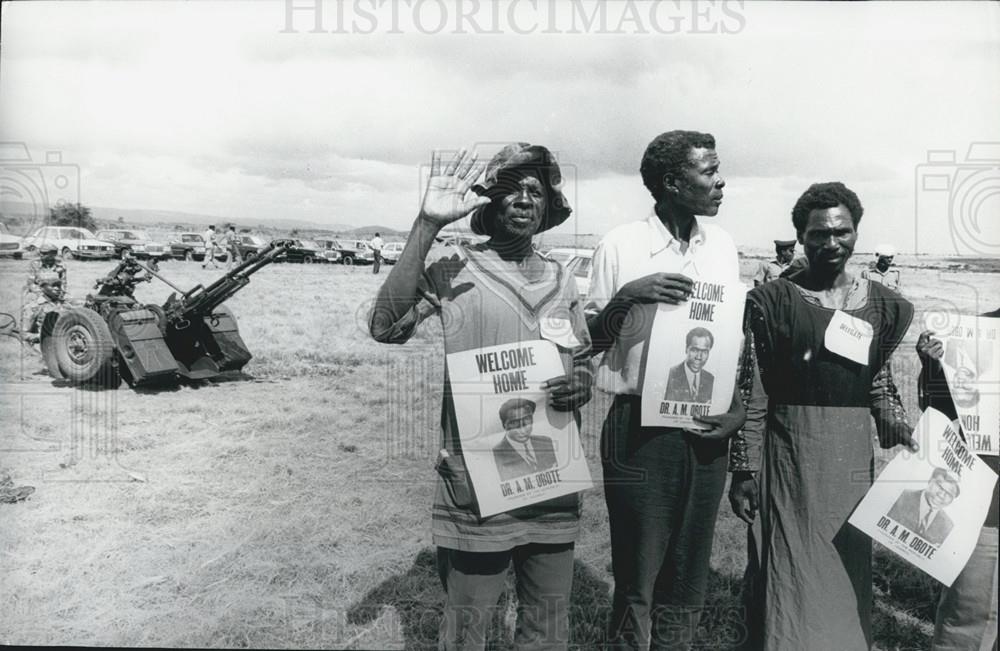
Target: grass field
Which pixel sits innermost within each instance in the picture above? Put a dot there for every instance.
(289, 507)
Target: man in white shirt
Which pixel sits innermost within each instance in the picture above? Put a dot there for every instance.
(376, 245)
(662, 485)
(209, 237)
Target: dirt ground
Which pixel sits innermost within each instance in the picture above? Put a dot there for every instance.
(289, 506)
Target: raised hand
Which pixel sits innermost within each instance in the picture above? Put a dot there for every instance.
(448, 197)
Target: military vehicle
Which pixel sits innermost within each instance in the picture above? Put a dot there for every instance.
(193, 335)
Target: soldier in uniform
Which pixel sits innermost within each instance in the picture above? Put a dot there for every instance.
(881, 270)
(44, 292)
(784, 251)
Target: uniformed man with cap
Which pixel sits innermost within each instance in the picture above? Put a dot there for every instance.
(769, 270)
(881, 270)
(44, 291)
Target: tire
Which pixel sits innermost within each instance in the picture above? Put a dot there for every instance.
(349, 260)
(67, 252)
(308, 259)
(31, 248)
(84, 348)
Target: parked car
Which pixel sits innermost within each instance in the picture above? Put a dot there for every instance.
(299, 251)
(250, 246)
(577, 262)
(71, 241)
(330, 249)
(138, 242)
(391, 251)
(191, 246)
(188, 246)
(10, 244)
(354, 252)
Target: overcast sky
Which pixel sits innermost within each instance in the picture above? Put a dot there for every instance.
(247, 111)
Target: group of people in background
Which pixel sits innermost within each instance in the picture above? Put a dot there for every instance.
(216, 243)
(796, 438)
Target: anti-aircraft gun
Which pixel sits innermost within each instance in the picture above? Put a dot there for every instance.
(113, 336)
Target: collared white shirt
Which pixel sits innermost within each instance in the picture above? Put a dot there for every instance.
(927, 513)
(525, 452)
(637, 249)
(694, 379)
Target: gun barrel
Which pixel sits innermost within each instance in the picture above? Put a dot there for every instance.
(202, 300)
(159, 277)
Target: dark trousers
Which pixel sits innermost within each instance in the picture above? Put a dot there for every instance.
(473, 582)
(378, 262)
(663, 488)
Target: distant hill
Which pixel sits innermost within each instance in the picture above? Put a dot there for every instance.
(170, 217)
(23, 214)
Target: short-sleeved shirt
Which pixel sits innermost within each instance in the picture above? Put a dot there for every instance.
(769, 270)
(209, 237)
(890, 278)
(637, 249)
(482, 303)
(376, 244)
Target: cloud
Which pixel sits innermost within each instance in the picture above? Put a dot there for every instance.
(213, 98)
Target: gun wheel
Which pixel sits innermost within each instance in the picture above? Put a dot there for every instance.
(84, 348)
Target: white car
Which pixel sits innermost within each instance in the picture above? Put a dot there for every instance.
(10, 244)
(71, 241)
(391, 251)
(577, 262)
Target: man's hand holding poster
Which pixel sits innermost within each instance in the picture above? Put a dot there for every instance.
(691, 359)
(517, 449)
(928, 507)
(971, 364)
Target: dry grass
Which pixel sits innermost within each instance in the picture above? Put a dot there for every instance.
(290, 507)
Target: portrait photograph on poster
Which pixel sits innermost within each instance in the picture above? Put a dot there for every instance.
(928, 507)
(690, 366)
(517, 450)
(971, 364)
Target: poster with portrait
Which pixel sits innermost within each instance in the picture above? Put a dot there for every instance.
(928, 507)
(971, 365)
(517, 449)
(692, 356)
